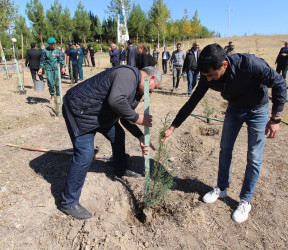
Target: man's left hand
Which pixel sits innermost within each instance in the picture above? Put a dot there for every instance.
(144, 147)
(63, 71)
(272, 129)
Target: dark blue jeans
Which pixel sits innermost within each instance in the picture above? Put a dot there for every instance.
(83, 156)
(256, 120)
(192, 78)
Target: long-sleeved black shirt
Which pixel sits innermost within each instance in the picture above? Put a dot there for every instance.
(245, 85)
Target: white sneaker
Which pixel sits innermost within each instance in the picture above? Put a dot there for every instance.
(213, 195)
(242, 211)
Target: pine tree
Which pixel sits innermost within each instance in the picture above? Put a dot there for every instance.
(35, 13)
(82, 23)
(8, 14)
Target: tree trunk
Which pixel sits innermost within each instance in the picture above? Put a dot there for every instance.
(83, 40)
(158, 40)
(137, 37)
(61, 39)
(41, 38)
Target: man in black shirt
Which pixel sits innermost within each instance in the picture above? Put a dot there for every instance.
(282, 60)
(33, 61)
(85, 55)
(92, 52)
(97, 105)
(243, 80)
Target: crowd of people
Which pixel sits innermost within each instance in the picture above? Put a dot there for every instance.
(107, 101)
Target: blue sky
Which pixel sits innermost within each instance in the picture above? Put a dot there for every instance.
(246, 17)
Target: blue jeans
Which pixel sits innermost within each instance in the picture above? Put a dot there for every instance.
(192, 78)
(83, 156)
(256, 120)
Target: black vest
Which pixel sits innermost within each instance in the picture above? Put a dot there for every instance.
(87, 102)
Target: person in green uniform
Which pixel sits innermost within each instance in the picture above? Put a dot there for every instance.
(80, 62)
(49, 60)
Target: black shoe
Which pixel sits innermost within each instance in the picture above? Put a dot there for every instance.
(129, 173)
(78, 212)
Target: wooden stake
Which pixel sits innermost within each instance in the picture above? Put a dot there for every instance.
(96, 157)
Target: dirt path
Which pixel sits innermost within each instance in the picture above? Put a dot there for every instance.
(31, 182)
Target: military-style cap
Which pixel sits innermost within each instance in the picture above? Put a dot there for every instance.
(70, 43)
(51, 40)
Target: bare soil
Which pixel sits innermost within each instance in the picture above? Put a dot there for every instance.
(31, 182)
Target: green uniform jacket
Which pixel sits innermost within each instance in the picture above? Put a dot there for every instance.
(80, 56)
(50, 59)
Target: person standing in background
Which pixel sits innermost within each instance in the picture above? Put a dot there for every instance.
(80, 62)
(177, 58)
(32, 61)
(282, 60)
(49, 61)
(165, 59)
(114, 55)
(156, 55)
(122, 55)
(85, 55)
(131, 54)
(72, 60)
(92, 54)
(190, 66)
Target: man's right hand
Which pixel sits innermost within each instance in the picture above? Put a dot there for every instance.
(144, 120)
(40, 72)
(170, 69)
(168, 132)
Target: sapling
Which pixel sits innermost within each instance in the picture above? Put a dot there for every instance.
(207, 110)
(161, 181)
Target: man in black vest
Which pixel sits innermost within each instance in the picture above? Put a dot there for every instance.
(33, 61)
(97, 105)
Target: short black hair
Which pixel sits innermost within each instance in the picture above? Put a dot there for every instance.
(33, 45)
(178, 44)
(211, 57)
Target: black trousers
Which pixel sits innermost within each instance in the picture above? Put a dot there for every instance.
(34, 72)
(283, 68)
(164, 65)
(93, 61)
(75, 70)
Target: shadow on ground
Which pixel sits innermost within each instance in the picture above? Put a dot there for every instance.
(35, 100)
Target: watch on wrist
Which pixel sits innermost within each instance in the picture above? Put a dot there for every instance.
(275, 120)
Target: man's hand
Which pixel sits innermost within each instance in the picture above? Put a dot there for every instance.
(62, 71)
(144, 120)
(40, 72)
(168, 132)
(272, 129)
(170, 68)
(144, 147)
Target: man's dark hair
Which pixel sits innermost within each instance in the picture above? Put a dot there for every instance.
(33, 45)
(211, 57)
(178, 44)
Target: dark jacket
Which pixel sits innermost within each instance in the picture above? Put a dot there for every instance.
(103, 99)
(190, 61)
(122, 55)
(282, 60)
(114, 55)
(245, 85)
(131, 55)
(168, 55)
(73, 54)
(33, 59)
(85, 51)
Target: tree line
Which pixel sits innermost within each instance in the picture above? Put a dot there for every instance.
(156, 25)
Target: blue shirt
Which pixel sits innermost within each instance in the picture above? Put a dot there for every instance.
(72, 53)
